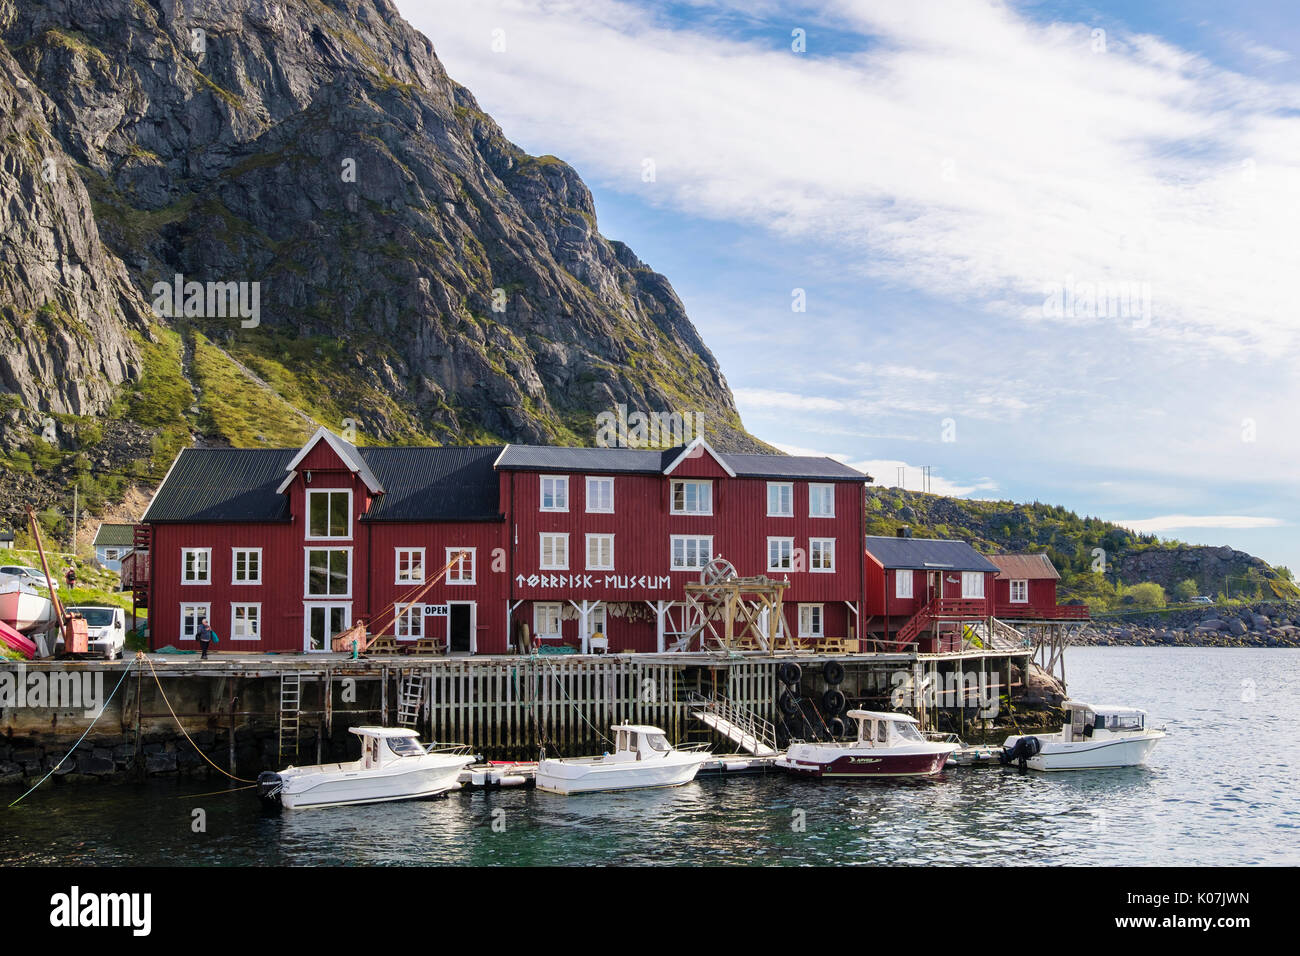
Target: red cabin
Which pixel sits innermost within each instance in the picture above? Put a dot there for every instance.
(923, 590)
(1025, 590)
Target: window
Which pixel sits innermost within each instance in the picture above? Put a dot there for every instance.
(409, 625)
(600, 495)
(821, 501)
(780, 554)
(322, 622)
(329, 514)
(462, 572)
(597, 620)
(555, 492)
(546, 621)
(329, 572)
(1019, 592)
(903, 584)
(690, 552)
(780, 499)
(410, 566)
(191, 615)
(600, 552)
(972, 584)
(821, 554)
(555, 552)
(246, 565)
(692, 497)
(196, 566)
(110, 554)
(245, 622)
(810, 620)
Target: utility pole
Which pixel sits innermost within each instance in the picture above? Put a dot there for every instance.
(75, 489)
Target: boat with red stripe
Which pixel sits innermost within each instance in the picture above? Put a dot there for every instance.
(887, 745)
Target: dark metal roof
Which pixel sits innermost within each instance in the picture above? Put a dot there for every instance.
(239, 484)
(223, 484)
(923, 553)
(435, 484)
(114, 536)
(654, 461)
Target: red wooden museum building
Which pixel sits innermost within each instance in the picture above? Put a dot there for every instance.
(280, 549)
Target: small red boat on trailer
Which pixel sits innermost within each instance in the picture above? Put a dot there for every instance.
(888, 745)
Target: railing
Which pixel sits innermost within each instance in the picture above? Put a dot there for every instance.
(751, 725)
(1061, 612)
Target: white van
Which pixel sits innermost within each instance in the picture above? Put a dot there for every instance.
(106, 629)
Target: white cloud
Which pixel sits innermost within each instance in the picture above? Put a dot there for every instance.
(1165, 523)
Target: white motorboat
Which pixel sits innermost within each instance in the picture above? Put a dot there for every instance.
(1096, 736)
(23, 608)
(394, 765)
(888, 745)
(642, 758)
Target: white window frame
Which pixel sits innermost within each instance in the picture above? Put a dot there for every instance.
(327, 606)
(548, 606)
(970, 578)
(810, 631)
(683, 483)
(207, 612)
(672, 551)
(111, 554)
(207, 565)
(1024, 590)
(599, 479)
(598, 621)
(234, 616)
(562, 481)
(541, 551)
(455, 574)
(827, 546)
(902, 575)
(780, 540)
(779, 487)
(413, 615)
(234, 566)
(307, 535)
(306, 577)
(815, 490)
(599, 537)
(408, 578)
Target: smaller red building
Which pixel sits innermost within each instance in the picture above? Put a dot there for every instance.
(922, 590)
(1025, 590)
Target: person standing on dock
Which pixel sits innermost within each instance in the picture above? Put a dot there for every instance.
(204, 635)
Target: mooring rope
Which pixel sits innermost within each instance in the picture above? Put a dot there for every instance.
(82, 737)
(140, 654)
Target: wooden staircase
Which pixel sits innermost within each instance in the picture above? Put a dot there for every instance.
(938, 610)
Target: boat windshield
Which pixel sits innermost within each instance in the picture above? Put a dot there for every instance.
(658, 742)
(405, 746)
(907, 731)
(1119, 721)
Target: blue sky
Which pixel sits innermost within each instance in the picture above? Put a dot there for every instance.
(1046, 248)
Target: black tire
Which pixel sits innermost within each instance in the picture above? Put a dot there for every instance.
(833, 672)
(789, 673)
(836, 727)
(833, 703)
(789, 705)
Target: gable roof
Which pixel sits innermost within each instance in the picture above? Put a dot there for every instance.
(242, 484)
(347, 452)
(699, 444)
(922, 554)
(1033, 567)
(655, 461)
(114, 536)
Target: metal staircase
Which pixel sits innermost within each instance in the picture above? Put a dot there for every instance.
(290, 712)
(411, 692)
(741, 726)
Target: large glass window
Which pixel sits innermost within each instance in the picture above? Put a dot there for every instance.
(600, 552)
(692, 497)
(555, 493)
(780, 499)
(972, 584)
(821, 554)
(196, 566)
(247, 564)
(554, 552)
(1019, 592)
(245, 622)
(821, 501)
(329, 514)
(691, 552)
(462, 568)
(329, 572)
(780, 554)
(410, 565)
(600, 495)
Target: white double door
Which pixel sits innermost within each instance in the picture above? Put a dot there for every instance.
(321, 622)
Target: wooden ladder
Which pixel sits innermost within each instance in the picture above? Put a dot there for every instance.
(290, 712)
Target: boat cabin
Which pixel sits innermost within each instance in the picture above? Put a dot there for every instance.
(381, 745)
(1085, 720)
(878, 729)
(639, 742)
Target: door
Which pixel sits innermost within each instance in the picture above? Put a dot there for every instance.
(460, 627)
(321, 622)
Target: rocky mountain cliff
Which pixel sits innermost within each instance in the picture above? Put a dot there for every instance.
(405, 270)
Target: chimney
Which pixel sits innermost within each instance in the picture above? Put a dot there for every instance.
(905, 531)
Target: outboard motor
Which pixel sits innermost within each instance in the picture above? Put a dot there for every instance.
(1021, 751)
(269, 785)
